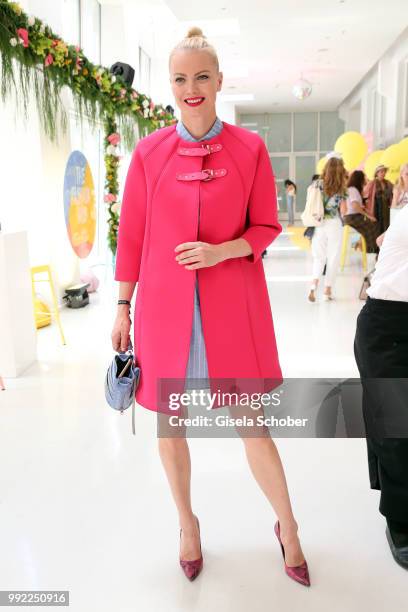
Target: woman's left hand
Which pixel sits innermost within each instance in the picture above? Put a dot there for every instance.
(194, 255)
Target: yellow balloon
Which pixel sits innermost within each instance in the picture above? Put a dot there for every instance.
(353, 149)
(392, 157)
(372, 161)
(392, 176)
(321, 164)
(403, 146)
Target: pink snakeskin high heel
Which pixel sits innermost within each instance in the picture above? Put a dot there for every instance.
(192, 568)
(299, 573)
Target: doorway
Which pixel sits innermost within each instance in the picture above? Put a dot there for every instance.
(299, 168)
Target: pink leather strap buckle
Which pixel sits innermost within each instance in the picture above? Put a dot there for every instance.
(205, 175)
(205, 149)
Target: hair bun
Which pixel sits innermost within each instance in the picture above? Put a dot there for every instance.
(195, 32)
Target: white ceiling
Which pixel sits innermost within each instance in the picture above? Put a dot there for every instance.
(333, 43)
(265, 45)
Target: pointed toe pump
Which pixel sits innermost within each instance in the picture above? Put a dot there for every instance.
(191, 569)
(299, 573)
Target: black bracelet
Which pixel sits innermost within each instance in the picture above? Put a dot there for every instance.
(124, 302)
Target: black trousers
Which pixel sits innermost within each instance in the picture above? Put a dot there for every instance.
(381, 351)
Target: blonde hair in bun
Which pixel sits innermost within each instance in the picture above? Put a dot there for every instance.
(195, 39)
(194, 31)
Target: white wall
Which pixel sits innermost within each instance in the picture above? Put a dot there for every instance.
(58, 14)
(32, 192)
(382, 97)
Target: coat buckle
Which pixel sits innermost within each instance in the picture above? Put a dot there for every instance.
(211, 148)
(210, 174)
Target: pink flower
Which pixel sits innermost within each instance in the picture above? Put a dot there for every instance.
(109, 197)
(114, 139)
(23, 35)
(77, 48)
(134, 94)
(48, 60)
(151, 106)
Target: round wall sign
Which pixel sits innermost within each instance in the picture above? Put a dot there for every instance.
(79, 204)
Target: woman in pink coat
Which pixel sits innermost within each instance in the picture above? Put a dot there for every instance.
(198, 210)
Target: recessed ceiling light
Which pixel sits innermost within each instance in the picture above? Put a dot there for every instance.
(324, 50)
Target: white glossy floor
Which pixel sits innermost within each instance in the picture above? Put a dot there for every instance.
(85, 506)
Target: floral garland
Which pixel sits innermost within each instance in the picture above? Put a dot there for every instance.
(112, 157)
(47, 64)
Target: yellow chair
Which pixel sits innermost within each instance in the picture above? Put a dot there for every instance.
(42, 313)
(46, 270)
(346, 235)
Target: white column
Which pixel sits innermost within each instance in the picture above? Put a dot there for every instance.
(18, 336)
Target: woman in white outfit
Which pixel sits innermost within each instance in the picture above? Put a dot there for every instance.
(327, 237)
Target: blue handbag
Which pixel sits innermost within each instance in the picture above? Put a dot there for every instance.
(121, 381)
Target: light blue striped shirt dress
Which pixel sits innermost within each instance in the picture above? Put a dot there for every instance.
(197, 367)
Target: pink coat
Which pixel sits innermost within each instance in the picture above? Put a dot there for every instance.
(168, 191)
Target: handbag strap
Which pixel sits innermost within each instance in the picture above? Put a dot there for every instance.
(133, 416)
(129, 348)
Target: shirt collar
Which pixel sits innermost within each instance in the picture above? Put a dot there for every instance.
(213, 131)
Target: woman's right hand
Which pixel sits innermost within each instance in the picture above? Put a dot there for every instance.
(121, 331)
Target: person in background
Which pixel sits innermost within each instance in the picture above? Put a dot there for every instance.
(378, 194)
(315, 177)
(290, 188)
(327, 237)
(381, 352)
(356, 215)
